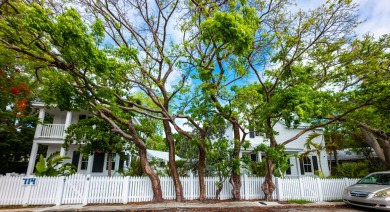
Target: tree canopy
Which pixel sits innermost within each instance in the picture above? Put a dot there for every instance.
(249, 64)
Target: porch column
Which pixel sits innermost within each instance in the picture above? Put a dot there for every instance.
(62, 151)
(298, 166)
(90, 164)
(68, 121)
(41, 117)
(33, 156)
(259, 159)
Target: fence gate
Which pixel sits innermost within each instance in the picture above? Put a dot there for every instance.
(74, 189)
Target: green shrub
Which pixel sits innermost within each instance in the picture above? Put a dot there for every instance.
(54, 166)
(319, 173)
(258, 169)
(353, 170)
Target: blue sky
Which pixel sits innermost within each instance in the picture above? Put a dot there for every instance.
(374, 13)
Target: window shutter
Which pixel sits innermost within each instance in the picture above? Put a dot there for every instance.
(301, 166)
(252, 134)
(288, 171)
(121, 163)
(98, 162)
(75, 158)
(315, 163)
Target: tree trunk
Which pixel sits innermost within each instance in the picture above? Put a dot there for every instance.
(336, 159)
(201, 170)
(109, 163)
(386, 151)
(156, 185)
(373, 143)
(219, 187)
(235, 179)
(330, 164)
(381, 149)
(172, 162)
(268, 186)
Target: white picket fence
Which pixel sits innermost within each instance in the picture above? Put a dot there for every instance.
(82, 189)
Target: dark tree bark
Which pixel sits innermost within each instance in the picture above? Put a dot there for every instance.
(172, 162)
(379, 143)
(268, 186)
(235, 178)
(156, 185)
(201, 170)
(109, 165)
(219, 187)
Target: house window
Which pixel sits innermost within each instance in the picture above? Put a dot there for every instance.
(84, 163)
(259, 133)
(254, 157)
(307, 164)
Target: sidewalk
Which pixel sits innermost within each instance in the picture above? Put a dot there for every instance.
(175, 206)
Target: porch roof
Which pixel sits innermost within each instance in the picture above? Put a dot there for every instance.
(161, 155)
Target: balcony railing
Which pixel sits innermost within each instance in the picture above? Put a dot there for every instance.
(53, 131)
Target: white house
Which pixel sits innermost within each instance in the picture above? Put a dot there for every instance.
(53, 134)
(306, 166)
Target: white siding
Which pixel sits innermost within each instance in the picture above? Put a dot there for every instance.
(52, 148)
(297, 146)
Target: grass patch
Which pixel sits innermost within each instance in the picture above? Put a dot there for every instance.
(299, 201)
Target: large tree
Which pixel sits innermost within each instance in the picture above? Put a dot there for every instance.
(371, 71)
(77, 73)
(312, 74)
(17, 118)
(293, 56)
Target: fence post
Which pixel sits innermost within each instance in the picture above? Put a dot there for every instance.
(86, 189)
(26, 195)
(302, 192)
(125, 194)
(346, 181)
(320, 192)
(279, 188)
(60, 191)
(246, 187)
(191, 176)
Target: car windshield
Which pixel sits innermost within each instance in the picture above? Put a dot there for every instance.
(380, 179)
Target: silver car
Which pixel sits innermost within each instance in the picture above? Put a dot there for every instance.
(373, 191)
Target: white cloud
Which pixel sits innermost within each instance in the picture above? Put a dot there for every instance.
(376, 15)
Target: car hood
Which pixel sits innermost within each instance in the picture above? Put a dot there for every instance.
(372, 188)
